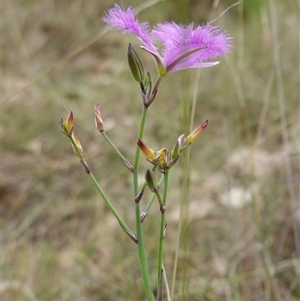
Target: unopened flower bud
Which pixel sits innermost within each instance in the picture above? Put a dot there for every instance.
(135, 64)
(151, 180)
(147, 151)
(192, 137)
(67, 126)
(98, 118)
(176, 150)
(78, 145)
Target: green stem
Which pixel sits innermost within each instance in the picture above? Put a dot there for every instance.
(113, 146)
(161, 233)
(124, 226)
(131, 234)
(141, 246)
(160, 200)
(137, 152)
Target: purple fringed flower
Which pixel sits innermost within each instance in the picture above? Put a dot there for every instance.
(184, 47)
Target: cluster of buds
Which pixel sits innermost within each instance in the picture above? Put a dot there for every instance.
(138, 73)
(164, 159)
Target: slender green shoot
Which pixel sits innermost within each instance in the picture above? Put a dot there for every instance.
(141, 246)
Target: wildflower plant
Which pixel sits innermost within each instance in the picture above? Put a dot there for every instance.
(174, 47)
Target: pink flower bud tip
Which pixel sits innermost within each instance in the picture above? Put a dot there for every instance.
(193, 136)
(67, 126)
(69, 122)
(147, 151)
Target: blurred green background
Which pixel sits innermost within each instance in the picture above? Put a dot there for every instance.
(238, 221)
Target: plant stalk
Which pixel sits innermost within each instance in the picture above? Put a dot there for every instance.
(162, 233)
(141, 246)
(124, 226)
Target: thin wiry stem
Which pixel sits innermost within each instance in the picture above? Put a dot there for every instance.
(139, 232)
(161, 232)
(113, 146)
(113, 210)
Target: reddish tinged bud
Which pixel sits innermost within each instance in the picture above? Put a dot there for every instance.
(67, 126)
(147, 151)
(69, 123)
(139, 196)
(98, 118)
(192, 137)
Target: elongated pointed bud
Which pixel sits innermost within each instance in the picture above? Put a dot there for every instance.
(98, 118)
(135, 64)
(147, 151)
(69, 123)
(66, 126)
(139, 196)
(151, 180)
(175, 151)
(78, 145)
(193, 136)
